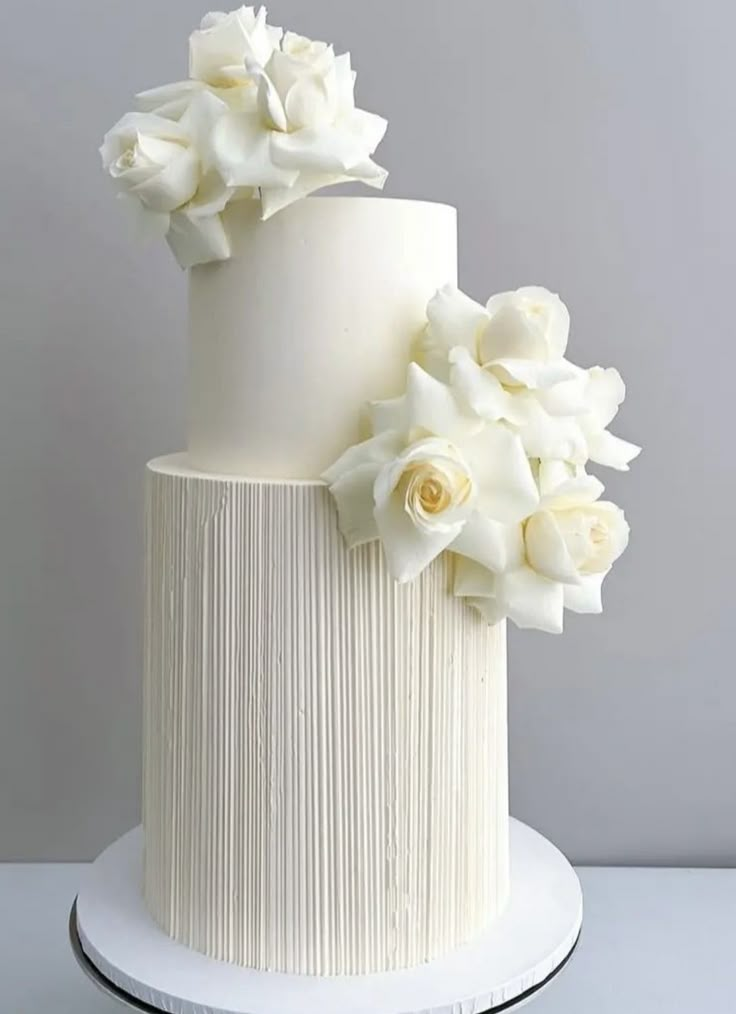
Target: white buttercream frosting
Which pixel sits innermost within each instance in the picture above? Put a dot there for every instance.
(314, 314)
(325, 785)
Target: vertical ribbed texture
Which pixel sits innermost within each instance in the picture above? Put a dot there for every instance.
(325, 786)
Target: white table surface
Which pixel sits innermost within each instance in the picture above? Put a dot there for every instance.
(653, 941)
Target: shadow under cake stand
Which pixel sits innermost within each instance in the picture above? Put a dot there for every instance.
(120, 947)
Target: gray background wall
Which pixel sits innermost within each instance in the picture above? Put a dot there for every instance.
(589, 145)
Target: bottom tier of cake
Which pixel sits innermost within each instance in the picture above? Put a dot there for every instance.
(325, 755)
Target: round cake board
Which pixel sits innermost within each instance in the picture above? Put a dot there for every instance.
(123, 950)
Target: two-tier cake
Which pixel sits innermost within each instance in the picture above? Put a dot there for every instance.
(325, 749)
(379, 473)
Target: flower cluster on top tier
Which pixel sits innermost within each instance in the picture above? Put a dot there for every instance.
(484, 456)
(264, 115)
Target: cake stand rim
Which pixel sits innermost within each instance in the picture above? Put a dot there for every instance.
(512, 995)
(108, 987)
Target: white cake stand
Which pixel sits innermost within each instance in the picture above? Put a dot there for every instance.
(125, 953)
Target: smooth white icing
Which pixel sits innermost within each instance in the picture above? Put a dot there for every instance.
(325, 773)
(312, 317)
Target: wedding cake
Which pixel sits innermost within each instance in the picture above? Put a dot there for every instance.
(379, 473)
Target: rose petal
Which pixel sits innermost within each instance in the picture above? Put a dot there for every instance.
(345, 85)
(432, 406)
(353, 495)
(216, 44)
(125, 132)
(388, 415)
(126, 178)
(264, 39)
(170, 101)
(211, 198)
(174, 186)
(532, 601)
(270, 105)
(618, 532)
(507, 490)
(566, 397)
(454, 319)
(198, 239)
(480, 389)
(509, 335)
(604, 395)
(275, 199)
(571, 490)
(555, 438)
(331, 149)
(551, 474)
(546, 312)
(370, 173)
(378, 450)
(307, 51)
(471, 578)
(546, 550)
(491, 544)
(558, 316)
(311, 103)
(230, 40)
(241, 151)
(586, 596)
(606, 449)
(156, 152)
(199, 120)
(285, 68)
(533, 374)
(408, 549)
(492, 611)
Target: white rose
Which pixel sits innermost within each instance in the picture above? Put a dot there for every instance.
(162, 167)
(531, 324)
(431, 479)
(568, 543)
(561, 555)
(306, 132)
(422, 500)
(519, 338)
(221, 52)
(226, 44)
(152, 159)
(506, 361)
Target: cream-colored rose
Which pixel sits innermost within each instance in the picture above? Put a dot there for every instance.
(433, 483)
(531, 324)
(306, 132)
(568, 543)
(507, 362)
(431, 479)
(422, 499)
(226, 44)
(557, 559)
(152, 159)
(518, 339)
(223, 53)
(163, 167)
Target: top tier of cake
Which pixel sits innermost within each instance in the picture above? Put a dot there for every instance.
(311, 318)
